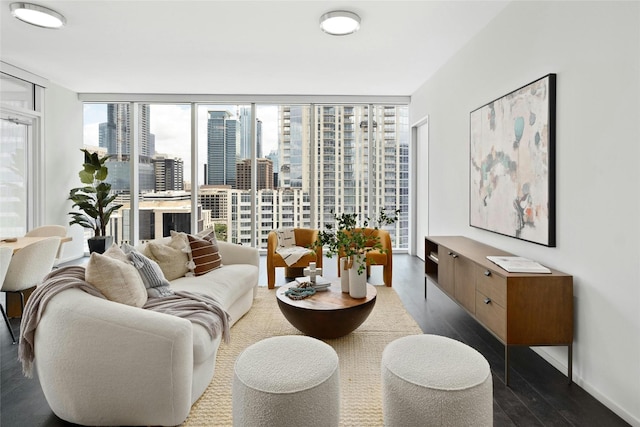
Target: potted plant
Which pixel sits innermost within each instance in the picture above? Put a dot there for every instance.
(353, 242)
(94, 200)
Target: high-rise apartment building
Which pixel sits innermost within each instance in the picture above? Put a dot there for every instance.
(264, 178)
(222, 149)
(294, 144)
(345, 165)
(169, 173)
(215, 200)
(273, 156)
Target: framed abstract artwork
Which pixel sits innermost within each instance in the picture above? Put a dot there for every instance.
(512, 164)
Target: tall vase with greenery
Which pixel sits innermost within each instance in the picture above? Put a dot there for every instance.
(352, 240)
(94, 200)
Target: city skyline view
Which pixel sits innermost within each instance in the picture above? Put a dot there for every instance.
(323, 162)
(171, 125)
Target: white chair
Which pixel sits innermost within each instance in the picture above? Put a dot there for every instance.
(49, 231)
(27, 268)
(5, 259)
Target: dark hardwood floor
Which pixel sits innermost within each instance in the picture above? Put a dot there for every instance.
(538, 394)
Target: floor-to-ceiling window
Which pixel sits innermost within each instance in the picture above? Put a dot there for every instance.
(261, 166)
(107, 131)
(361, 157)
(225, 152)
(161, 137)
(164, 186)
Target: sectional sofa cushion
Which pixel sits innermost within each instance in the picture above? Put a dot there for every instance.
(231, 282)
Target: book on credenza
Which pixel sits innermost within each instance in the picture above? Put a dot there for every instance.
(517, 264)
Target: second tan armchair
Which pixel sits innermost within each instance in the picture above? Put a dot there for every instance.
(376, 257)
(303, 237)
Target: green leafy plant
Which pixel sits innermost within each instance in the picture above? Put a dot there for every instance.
(349, 238)
(94, 200)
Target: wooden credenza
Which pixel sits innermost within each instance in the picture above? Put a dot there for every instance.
(517, 308)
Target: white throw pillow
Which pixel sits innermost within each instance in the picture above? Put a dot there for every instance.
(116, 252)
(172, 257)
(116, 280)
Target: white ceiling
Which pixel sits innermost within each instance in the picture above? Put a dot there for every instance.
(242, 47)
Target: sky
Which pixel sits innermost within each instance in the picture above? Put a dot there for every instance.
(171, 125)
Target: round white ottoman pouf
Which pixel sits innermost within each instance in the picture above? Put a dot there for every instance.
(430, 380)
(287, 381)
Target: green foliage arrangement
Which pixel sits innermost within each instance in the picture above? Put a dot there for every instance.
(94, 200)
(350, 238)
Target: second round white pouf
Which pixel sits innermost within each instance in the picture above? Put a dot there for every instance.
(430, 380)
(287, 381)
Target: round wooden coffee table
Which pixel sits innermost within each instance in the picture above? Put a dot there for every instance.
(326, 314)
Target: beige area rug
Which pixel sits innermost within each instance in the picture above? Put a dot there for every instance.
(359, 353)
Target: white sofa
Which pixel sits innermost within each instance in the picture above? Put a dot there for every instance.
(104, 363)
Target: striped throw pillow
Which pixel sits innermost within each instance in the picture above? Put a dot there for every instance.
(204, 253)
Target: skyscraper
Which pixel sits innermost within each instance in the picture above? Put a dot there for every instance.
(221, 148)
(294, 143)
(264, 174)
(349, 172)
(115, 136)
(169, 173)
(259, 138)
(273, 156)
(245, 134)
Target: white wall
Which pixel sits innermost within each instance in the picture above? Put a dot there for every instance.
(63, 160)
(594, 47)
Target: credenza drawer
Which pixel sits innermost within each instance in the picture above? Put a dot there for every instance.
(492, 285)
(492, 315)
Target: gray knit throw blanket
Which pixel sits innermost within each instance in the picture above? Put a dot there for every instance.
(198, 308)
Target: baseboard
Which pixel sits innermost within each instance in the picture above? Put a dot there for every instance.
(562, 367)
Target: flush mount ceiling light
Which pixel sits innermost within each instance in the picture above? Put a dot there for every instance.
(37, 15)
(339, 23)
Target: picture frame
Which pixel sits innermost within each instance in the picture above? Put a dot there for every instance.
(512, 164)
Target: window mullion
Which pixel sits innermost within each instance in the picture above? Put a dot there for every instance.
(134, 169)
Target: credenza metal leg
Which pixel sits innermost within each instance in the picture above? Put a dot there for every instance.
(570, 363)
(425, 287)
(506, 365)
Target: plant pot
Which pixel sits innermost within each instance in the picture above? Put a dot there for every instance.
(344, 275)
(99, 244)
(357, 282)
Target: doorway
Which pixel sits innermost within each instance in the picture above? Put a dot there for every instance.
(420, 137)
